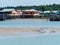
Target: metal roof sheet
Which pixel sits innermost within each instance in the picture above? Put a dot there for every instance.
(30, 10)
(6, 10)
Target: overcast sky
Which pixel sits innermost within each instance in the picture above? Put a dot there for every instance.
(4, 3)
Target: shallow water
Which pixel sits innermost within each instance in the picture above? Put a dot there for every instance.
(29, 23)
(49, 39)
(45, 39)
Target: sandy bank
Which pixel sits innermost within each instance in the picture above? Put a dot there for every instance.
(32, 30)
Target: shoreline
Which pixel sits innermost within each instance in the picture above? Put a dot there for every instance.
(27, 31)
(31, 19)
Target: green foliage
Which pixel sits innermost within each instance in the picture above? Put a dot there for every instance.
(41, 7)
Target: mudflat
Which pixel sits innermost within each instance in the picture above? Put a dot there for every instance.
(28, 30)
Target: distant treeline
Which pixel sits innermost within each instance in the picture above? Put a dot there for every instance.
(41, 7)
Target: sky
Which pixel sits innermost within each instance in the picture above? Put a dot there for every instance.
(4, 3)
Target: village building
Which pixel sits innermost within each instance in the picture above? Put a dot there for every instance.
(30, 13)
(11, 12)
(16, 12)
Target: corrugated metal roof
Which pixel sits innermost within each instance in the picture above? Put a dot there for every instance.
(30, 10)
(6, 10)
(46, 11)
(54, 11)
